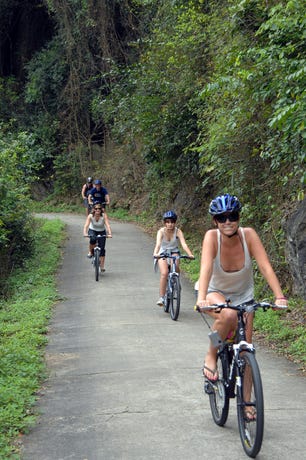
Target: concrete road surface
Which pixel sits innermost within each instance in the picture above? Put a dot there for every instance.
(125, 380)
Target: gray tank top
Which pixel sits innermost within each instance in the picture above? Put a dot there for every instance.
(169, 246)
(236, 286)
(97, 226)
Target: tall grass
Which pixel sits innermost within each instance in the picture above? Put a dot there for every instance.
(24, 320)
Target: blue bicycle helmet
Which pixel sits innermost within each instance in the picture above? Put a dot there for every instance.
(97, 182)
(224, 203)
(170, 215)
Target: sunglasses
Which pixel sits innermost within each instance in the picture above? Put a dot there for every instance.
(98, 209)
(232, 217)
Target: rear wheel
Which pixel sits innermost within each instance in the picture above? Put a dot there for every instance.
(97, 263)
(175, 297)
(218, 395)
(250, 405)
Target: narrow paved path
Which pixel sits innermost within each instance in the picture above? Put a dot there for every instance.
(125, 380)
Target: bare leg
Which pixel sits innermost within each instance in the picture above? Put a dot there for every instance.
(102, 262)
(225, 322)
(163, 268)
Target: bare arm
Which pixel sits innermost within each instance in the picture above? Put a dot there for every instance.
(107, 200)
(106, 221)
(83, 191)
(159, 238)
(209, 251)
(183, 243)
(258, 251)
(86, 226)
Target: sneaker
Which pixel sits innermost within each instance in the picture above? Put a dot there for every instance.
(160, 302)
(101, 270)
(89, 255)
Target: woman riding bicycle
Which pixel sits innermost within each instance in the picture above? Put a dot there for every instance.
(97, 224)
(167, 240)
(226, 271)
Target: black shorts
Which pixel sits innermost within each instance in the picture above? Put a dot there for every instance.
(101, 241)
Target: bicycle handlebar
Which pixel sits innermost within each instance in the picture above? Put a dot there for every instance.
(173, 256)
(247, 307)
(98, 236)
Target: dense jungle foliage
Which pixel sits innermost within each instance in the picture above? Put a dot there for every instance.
(169, 101)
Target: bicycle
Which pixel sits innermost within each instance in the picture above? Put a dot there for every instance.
(96, 256)
(238, 376)
(173, 290)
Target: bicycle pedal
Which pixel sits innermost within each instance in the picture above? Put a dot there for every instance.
(208, 387)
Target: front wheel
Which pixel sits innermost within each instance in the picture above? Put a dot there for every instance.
(175, 297)
(218, 395)
(97, 264)
(167, 300)
(250, 405)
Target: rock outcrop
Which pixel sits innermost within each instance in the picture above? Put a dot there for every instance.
(296, 248)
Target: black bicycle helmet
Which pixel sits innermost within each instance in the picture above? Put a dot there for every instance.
(224, 203)
(170, 215)
(89, 180)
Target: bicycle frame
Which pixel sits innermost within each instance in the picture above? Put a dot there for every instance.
(172, 269)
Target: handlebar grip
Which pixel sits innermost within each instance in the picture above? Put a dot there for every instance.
(202, 309)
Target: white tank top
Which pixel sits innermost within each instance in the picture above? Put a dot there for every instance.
(169, 246)
(237, 286)
(97, 226)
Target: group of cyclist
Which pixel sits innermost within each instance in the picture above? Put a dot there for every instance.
(95, 199)
(93, 192)
(226, 270)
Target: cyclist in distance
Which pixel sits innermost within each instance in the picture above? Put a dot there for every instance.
(96, 224)
(98, 194)
(167, 240)
(85, 192)
(226, 271)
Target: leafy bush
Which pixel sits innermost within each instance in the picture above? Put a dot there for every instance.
(15, 222)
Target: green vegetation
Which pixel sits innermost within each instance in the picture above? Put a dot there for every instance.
(23, 326)
(15, 219)
(285, 333)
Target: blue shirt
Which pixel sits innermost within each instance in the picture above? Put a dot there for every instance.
(98, 196)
